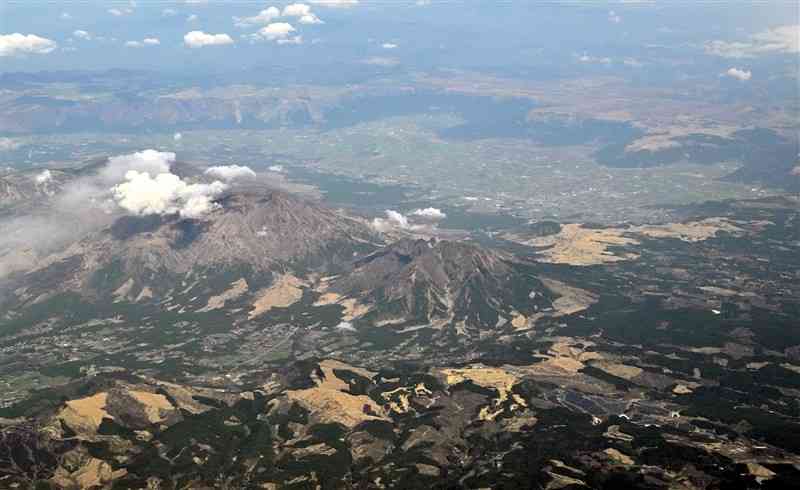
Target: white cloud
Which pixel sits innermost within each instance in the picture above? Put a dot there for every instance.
(393, 220)
(94, 191)
(388, 46)
(198, 39)
(169, 12)
(335, 3)
(783, 39)
(585, 58)
(276, 30)
(796, 170)
(276, 168)
(89, 202)
(741, 75)
(65, 16)
(430, 213)
(310, 19)
(177, 136)
(381, 61)
(192, 18)
(729, 50)
(296, 10)
(81, 34)
(150, 161)
(142, 183)
(19, 44)
(291, 40)
(165, 193)
(148, 41)
(44, 177)
(302, 12)
(119, 12)
(262, 18)
(230, 173)
(613, 17)
(424, 220)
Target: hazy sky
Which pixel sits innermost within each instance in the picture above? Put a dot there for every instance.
(546, 37)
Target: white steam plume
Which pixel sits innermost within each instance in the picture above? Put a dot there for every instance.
(165, 193)
(430, 213)
(229, 173)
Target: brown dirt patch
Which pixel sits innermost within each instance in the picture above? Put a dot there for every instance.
(619, 370)
(695, 231)
(330, 402)
(352, 308)
(154, 404)
(85, 415)
(284, 292)
(570, 299)
(237, 289)
(577, 245)
(618, 456)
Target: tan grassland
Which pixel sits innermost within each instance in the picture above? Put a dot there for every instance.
(237, 289)
(154, 404)
(285, 292)
(352, 308)
(85, 415)
(330, 401)
(576, 245)
(583, 246)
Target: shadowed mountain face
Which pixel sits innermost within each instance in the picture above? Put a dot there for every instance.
(262, 233)
(443, 282)
(255, 241)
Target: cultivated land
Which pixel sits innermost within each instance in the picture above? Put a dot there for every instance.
(596, 149)
(609, 303)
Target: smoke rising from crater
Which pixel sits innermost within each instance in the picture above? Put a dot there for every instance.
(165, 193)
(139, 183)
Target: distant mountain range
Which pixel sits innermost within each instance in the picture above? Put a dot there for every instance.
(766, 157)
